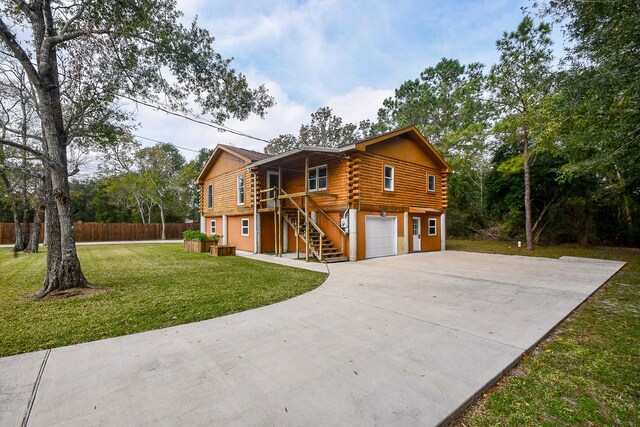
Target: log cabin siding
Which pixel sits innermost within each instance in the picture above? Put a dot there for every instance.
(410, 184)
(293, 181)
(224, 193)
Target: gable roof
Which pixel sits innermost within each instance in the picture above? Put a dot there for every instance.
(248, 156)
(251, 155)
(410, 132)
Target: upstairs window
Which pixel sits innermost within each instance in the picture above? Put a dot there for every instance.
(433, 227)
(431, 182)
(240, 191)
(318, 178)
(388, 178)
(210, 196)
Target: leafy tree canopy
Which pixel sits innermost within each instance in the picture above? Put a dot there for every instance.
(325, 130)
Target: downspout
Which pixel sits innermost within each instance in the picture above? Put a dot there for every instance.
(443, 230)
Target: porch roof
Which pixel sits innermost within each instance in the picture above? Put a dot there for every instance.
(414, 209)
(304, 149)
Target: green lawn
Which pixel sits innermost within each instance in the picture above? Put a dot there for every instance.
(147, 287)
(588, 371)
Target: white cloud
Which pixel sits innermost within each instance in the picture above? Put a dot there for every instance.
(358, 104)
(346, 55)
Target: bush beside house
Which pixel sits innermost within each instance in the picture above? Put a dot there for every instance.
(196, 241)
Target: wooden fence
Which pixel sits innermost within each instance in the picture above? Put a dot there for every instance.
(105, 232)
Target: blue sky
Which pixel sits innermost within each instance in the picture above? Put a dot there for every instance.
(349, 55)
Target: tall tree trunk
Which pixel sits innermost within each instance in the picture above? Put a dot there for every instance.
(164, 231)
(140, 206)
(19, 243)
(34, 238)
(63, 265)
(52, 232)
(25, 222)
(527, 195)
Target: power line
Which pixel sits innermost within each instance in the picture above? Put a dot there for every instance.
(198, 119)
(164, 142)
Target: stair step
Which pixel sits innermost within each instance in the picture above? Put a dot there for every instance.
(330, 260)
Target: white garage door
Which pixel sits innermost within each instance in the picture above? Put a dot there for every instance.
(381, 236)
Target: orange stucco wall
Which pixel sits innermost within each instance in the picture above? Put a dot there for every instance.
(218, 220)
(427, 243)
(234, 238)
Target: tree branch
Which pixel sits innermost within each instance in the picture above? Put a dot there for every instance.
(25, 8)
(54, 40)
(23, 171)
(74, 18)
(18, 52)
(18, 132)
(40, 155)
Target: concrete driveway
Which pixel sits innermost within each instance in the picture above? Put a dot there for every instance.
(394, 341)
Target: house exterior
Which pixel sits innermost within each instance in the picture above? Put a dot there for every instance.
(382, 196)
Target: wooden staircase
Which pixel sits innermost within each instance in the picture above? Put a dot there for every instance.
(328, 253)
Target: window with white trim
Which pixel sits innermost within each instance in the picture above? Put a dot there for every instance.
(318, 178)
(388, 178)
(433, 227)
(431, 182)
(213, 226)
(244, 226)
(240, 190)
(210, 196)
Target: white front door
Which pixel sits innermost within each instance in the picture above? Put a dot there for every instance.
(416, 234)
(273, 180)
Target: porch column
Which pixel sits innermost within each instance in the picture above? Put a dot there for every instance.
(306, 206)
(256, 216)
(225, 238)
(285, 236)
(353, 235)
(257, 234)
(203, 225)
(406, 233)
(443, 231)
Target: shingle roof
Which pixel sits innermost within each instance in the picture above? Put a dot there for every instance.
(253, 156)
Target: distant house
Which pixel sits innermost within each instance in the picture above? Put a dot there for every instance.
(382, 196)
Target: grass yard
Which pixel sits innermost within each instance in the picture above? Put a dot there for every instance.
(147, 287)
(588, 371)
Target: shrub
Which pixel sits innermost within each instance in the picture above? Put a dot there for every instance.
(200, 236)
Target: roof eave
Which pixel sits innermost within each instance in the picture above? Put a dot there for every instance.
(301, 149)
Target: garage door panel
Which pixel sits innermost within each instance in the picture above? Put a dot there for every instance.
(381, 238)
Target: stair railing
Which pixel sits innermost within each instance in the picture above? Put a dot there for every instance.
(343, 234)
(270, 196)
(308, 221)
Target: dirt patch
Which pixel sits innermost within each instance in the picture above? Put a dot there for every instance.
(71, 293)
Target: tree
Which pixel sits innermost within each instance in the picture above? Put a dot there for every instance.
(189, 191)
(325, 130)
(159, 167)
(118, 48)
(445, 103)
(521, 84)
(19, 175)
(599, 103)
(448, 105)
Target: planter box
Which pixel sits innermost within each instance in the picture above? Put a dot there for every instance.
(197, 246)
(220, 250)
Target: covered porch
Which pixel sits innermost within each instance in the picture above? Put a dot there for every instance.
(299, 208)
